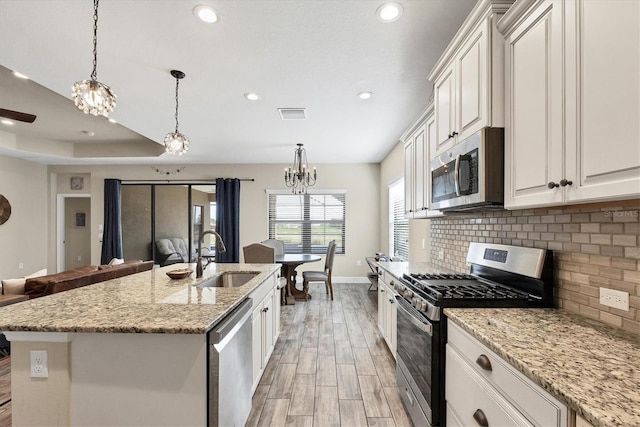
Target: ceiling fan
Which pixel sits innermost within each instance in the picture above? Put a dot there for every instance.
(18, 116)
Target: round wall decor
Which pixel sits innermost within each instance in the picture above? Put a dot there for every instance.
(5, 209)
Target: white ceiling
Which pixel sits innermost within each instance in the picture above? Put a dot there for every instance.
(313, 54)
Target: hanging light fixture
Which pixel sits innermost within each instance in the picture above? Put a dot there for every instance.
(91, 96)
(175, 142)
(298, 176)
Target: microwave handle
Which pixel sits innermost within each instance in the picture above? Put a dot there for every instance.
(457, 174)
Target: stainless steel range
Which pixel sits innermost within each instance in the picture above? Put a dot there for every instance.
(500, 276)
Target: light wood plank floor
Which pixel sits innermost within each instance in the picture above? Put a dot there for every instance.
(330, 367)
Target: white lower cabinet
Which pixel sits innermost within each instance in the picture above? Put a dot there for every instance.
(265, 325)
(483, 389)
(387, 311)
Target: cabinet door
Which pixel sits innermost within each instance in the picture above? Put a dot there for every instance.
(408, 178)
(256, 344)
(473, 82)
(604, 163)
(276, 312)
(533, 113)
(421, 164)
(381, 305)
(444, 106)
(268, 328)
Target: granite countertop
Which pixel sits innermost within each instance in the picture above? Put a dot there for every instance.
(146, 302)
(593, 368)
(397, 269)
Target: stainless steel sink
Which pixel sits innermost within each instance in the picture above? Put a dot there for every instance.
(229, 279)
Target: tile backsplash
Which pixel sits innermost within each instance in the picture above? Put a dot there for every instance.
(594, 246)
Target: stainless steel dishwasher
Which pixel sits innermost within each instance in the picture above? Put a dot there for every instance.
(230, 368)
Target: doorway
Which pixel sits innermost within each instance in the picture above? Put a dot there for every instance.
(74, 231)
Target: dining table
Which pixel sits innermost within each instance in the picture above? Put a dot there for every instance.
(289, 264)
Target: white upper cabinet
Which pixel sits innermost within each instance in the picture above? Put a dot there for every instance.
(572, 101)
(417, 172)
(468, 78)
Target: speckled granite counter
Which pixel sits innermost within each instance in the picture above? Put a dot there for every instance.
(397, 269)
(147, 302)
(593, 368)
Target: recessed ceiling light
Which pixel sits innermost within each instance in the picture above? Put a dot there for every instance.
(112, 120)
(205, 14)
(365, 95)
(20, 75)
(251, 96)
(389, 12)
(88, 132)
(6, 122)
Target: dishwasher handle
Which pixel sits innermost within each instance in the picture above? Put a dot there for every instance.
(231, 324)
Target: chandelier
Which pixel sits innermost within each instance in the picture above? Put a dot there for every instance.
(298, 176)
(91, 96)
(175, 142)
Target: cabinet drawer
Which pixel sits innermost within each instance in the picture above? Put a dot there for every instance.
(471, 396)
(537, 405)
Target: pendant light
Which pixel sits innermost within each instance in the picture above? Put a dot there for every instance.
(175, 142)
(298, 176)
(91, 96)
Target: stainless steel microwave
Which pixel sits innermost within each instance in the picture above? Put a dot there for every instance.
(470, 175)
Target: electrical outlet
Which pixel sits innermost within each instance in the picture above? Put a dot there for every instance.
(424, 243)
(39, 364)
(615, 299)
(20, 265)
(79, 257)
(440, 254)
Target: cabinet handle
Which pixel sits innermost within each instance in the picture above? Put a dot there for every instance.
(381, 290)
(564, 182)
(484, 362)
(481, 418)
(391, 300)
(454, 133)
(553, 185)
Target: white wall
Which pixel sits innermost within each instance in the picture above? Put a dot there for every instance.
(23, 238)
(361, 181)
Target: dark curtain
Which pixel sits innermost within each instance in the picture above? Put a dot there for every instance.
(112, 235)
(228, 218)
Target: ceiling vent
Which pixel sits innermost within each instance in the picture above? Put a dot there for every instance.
(292, 113)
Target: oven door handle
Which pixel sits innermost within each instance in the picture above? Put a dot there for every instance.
(457, 174)
(404, 306)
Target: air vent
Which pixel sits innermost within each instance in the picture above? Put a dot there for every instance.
(292, 113)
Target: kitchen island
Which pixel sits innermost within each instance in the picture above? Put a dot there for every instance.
(128, 351)
(591, 367)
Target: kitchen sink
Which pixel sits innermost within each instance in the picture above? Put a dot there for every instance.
(228, 279)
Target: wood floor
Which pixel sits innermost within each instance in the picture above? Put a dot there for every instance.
(330, 367)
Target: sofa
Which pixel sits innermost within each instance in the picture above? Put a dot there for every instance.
(172, 250)
(36, 287)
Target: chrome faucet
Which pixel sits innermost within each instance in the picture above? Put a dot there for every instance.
(219, 245)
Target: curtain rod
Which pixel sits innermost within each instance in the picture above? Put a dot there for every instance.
(169, 181)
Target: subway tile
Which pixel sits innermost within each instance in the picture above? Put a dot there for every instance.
(601, 239)
(625, 264)
(611, 319)
(571, 228)
(571, 247)
(631, 228)
(548, 219)
(614, 251)
(580, 217)
(631, 252)
(625, 239)
(590, 249)
(631, 325)
(589, 312)
(554, 228)
(611, 273)
(580, 238)
(621, 285)
(612, 228)
(603, 261)
(600, 217)
(631, 276)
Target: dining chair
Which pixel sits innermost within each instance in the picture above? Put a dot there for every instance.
(257, 253)
(278, 245)
(321, 276)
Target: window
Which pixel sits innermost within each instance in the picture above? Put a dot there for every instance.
(306, 223)
(398, 224)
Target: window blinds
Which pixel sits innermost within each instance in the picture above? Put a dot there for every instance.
(306, 223)
(398, 224)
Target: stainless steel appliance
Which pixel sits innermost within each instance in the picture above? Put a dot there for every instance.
(230, 361)
(471, 174)
(500, 276)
